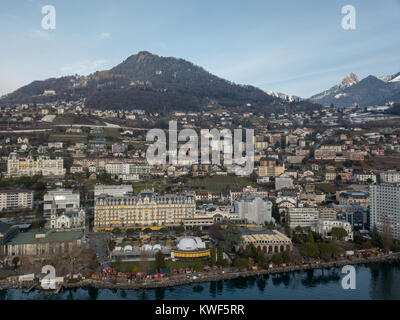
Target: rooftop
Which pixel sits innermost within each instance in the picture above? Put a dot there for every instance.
(30, 237)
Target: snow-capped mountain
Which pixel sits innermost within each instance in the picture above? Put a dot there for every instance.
(368, 91)
(392, 78)
(284, 96)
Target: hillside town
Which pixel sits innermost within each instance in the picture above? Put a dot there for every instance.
(78, 193)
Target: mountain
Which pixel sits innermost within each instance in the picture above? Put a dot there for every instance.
(150, 82)
(284, 97)
(368, 91)
(392, 78)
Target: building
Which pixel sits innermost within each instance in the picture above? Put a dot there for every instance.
(118, 148)
(324, 228)
(270, 171)
(365, 177)
(254, 208)
(68, 219)
(283, 182)
(29, 167)
(147, 251)
(61, 200)
(268, 241)
(112, 190)
(127, 171)
(385, 208)
(249, 190)
(39, 245)
(328, 213)
(389, 177)
(190, 248)
(145, 209)
(16, 199)
(207, 196)
(7, 232)
(354, 197)
(303, 217)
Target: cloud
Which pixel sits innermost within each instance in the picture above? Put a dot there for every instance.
(40, 34)
(84, 67)
(105, 35)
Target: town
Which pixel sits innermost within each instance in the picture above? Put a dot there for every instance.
(77, 193)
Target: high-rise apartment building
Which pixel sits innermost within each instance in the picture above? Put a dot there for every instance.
(385, 207)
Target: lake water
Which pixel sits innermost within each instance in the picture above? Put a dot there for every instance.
(373, 281)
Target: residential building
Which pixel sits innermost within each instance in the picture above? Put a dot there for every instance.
(385, 208)
(303, 217)
(29, 167)
(324, 228)
(112, 190)
(254, 208)
(16, 199)
(390, 177)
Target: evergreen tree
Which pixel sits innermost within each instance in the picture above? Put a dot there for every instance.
(310, 237)
(220, 256)
(160, 260)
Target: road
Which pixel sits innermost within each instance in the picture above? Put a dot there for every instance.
(98, 241)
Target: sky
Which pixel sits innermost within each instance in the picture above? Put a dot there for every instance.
(296, 47)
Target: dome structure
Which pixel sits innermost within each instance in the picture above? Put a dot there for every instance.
(128, 248)
(157, 247)
(147, 247)
(190, 244)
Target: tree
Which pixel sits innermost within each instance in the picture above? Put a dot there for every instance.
(228, 237)
(160, 260)
(286, 257)
(376, 237)
(339, 233)
(309, 249)
(213, 254)
(387, 239)
(116, 231)
(310, 237)
(260, 259)
(147, 230)
(277, 259)
(15, 262)
(220, 256)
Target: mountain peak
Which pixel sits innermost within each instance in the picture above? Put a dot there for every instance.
(350, 79)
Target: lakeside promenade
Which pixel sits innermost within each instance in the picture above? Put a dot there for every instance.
(201, 277)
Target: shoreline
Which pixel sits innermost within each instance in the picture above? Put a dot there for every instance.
(205, 277)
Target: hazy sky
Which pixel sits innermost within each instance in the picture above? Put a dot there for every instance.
(293, 46)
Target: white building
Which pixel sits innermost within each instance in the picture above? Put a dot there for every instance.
(127, 171)
(303, 217)
(365, 177)
(16, 199)
(112, 190)
(62, 199)
(283, 182)
(324, 228)
(254, 208)
(390, 177)
(29, 167)
(385, 206)
(67, 219)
